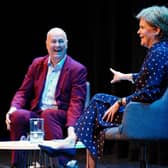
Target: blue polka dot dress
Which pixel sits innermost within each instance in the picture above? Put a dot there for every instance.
(90, 125)
(152, 80)
(150, 83)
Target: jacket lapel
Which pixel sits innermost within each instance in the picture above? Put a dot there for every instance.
(43, 75)
(63, 76)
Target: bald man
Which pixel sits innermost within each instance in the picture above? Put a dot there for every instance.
(54, 88)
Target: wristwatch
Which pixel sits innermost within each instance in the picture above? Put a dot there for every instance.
(119, 101)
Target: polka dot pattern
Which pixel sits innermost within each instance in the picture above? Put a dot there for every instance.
(90, 125)
(149, 82)
(152, 79)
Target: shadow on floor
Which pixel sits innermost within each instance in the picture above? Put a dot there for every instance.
(108, 161)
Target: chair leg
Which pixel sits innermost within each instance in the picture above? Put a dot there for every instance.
(144, 163)
(90, 160)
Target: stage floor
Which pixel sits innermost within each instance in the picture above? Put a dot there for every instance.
(108, 161)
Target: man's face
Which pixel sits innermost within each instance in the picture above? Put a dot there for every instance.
(56, 44)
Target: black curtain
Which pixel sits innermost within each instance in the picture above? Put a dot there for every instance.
(101, 34)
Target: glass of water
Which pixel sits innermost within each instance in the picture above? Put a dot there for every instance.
(36, 130)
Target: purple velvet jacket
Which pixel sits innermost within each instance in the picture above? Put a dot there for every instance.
(70, 93)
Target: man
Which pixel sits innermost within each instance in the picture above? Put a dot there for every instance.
(54, 88)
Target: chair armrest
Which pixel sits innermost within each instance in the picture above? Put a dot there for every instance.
(146, 121)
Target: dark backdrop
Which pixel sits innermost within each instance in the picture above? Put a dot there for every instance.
(101, 34)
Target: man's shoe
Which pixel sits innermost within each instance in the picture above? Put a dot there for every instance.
(13, 166)
(72, 164)
(35, 165)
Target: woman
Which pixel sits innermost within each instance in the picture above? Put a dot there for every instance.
(150, 83)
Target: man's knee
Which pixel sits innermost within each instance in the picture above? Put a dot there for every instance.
(19, 116)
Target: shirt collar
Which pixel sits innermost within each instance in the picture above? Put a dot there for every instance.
(59, 65)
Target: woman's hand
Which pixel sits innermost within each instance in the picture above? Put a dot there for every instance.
(109, 114)
(117, 76)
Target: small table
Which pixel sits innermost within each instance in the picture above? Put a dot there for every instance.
(35, 158)
(27, 145)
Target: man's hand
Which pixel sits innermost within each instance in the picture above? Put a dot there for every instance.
(8, 121)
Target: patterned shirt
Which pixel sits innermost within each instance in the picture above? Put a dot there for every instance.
(152, 79)
(150, 83)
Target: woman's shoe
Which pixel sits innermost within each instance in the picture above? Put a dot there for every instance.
(54, 152)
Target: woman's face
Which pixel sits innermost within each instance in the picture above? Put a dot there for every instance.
(147, 33)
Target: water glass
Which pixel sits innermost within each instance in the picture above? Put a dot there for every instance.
(36, 130)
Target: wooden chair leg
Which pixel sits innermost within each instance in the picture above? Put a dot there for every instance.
(90, 160)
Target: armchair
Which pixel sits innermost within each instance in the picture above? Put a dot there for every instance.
(141, 122)
(146, 121)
